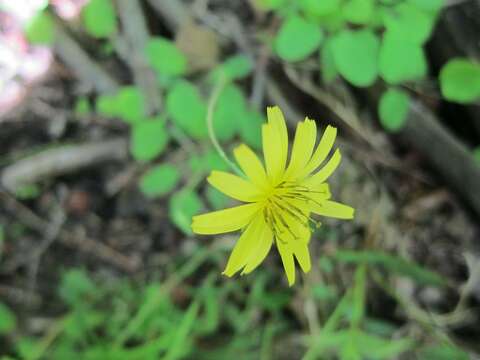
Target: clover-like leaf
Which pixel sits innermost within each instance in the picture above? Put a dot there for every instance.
(148, 140)
(356, 56)
(297, 39)
(159, 180)
(393, 109)
(165, 57)
(99, 18)
(183, 206)
(460, 80)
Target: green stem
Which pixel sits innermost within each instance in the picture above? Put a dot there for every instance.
(212, 102)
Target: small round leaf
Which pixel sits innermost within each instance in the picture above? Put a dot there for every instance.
(183, 206)
(41, 29)
(229, 109)
(8, 321)
(460, 80)
(401, 60)
(393, 109)
(165, 57)
(148, 139)
(99, 18)
(297, 39)
(159, 180)
(355, 54)
(187, 109)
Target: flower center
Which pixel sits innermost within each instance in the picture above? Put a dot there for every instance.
(286, 210)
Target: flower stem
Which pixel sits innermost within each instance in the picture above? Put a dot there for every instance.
(212, 102)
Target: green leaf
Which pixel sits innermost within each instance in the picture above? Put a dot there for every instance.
(297, 39)
(234, 68)
(392, 263)
(408, 21)
(183, 206)
(159, 180)
(187, 109)
(130, 104)
(41, 29)
(428, 5)
(251, 128)
(374, 347)
(460, 80)
(213, 161)
(393, 65)
(230, 107)
(165, 57)
(82, 106)
(99, 18)
(27, 192)
(393, 109)
(76, 286)
(358, 296)
(271, 4)
(8, 321)
(355, 54)
(323, 292)
(442, 352)
(476, 154)
(148, 140)
(181, 333)
(317, 8)
(327, 62)
(359, 12)
(216, 199)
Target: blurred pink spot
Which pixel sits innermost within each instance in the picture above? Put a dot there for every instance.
(68, 9)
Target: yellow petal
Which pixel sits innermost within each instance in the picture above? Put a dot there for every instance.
(223, 221)
(234, 186)
(322, 150)
(243, 249)
(276, 119)
(251, 165)
(333, 209)
(325, 172)
(287, 260)
(260, 252)
(305, 137)
(300, 250)
(275, 144)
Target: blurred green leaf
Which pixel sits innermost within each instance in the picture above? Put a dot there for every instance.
(165, 57)
(393, 109)
(251, 128)
(327, 62)
(187, 109)
(317, 8)
(213, 161)
(374, 347)
(75, 286)
(128, 104)
(393, 66)
(460, 80)
(82, 106)
(392, 263)
(442, 352)
(408, 21)
(216, 199)
(180, 339)
(234, 68)
(41, 29)
(428, 5)
(230, 108)
(27, 192)
(356, 55)
(297, 39)
(476, 154)
(323, 292)
(149, 139)
(8, 321)
(183, 206)
(359, 12)
(358, 295)
(159, 180)
(99, 18)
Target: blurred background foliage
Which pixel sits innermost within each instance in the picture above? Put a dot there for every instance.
(105, 148)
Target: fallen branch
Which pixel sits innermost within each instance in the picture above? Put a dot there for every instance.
(135, 35)
(61, 160)
(80, 63)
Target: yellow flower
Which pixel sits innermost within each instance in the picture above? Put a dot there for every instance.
(279, 199)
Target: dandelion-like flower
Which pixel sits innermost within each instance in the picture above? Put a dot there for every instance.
(280, 199)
